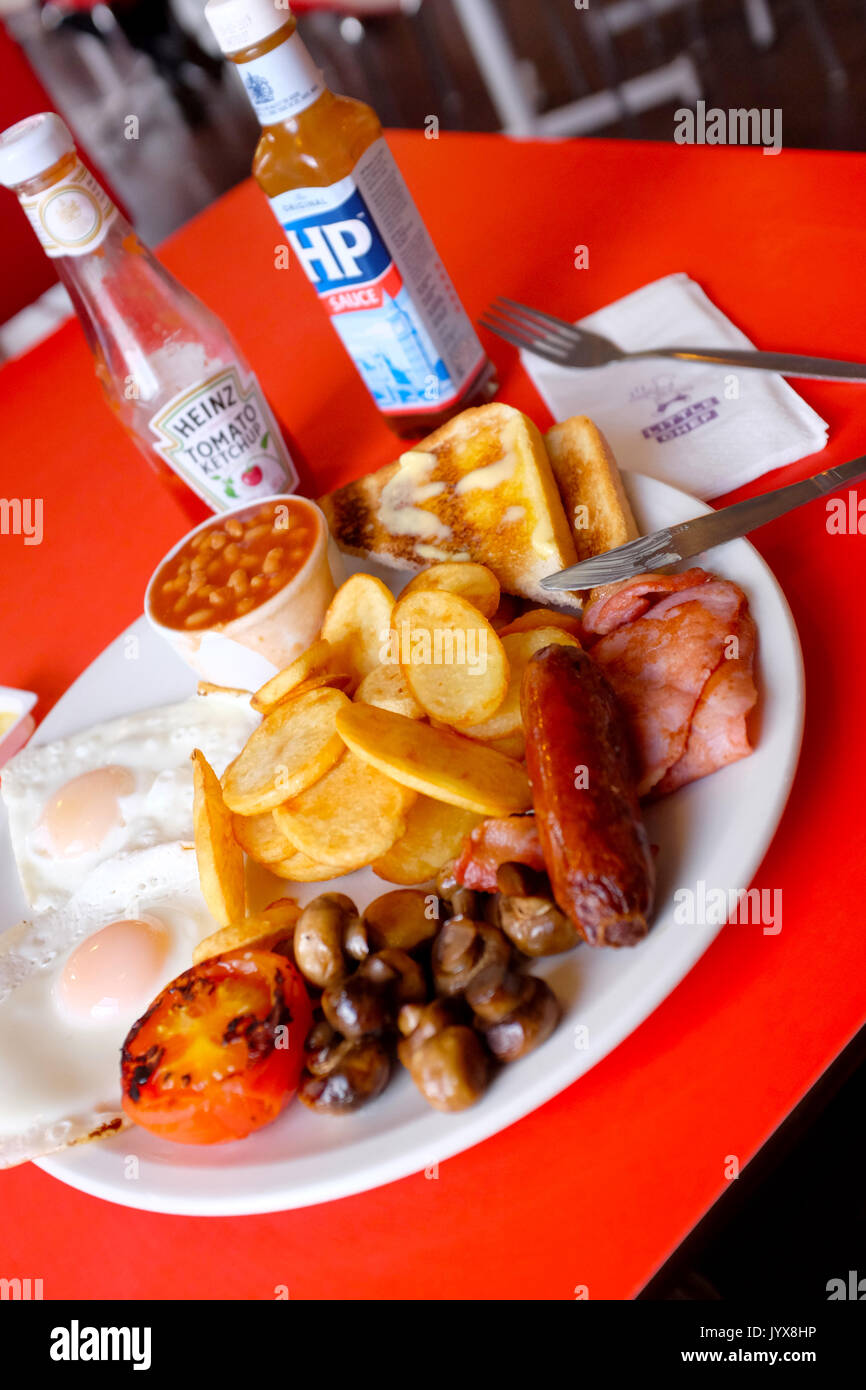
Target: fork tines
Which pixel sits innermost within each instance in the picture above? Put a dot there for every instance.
(531, 329)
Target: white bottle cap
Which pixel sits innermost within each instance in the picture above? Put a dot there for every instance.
(32, 146)
(239, 24)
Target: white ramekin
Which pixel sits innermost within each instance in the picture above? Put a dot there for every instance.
(248, 650)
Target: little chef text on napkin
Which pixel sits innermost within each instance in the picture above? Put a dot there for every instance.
(705, 429)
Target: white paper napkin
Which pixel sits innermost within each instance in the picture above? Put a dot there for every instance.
(704, 429)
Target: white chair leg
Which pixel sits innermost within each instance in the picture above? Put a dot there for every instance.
(505, 77)
(678, 80)
(762, 26)
(499, 67)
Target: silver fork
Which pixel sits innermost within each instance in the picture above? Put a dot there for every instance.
(568, 346)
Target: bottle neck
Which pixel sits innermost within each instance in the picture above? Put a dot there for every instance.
(280, 76)
(127, 302)
(68, 210)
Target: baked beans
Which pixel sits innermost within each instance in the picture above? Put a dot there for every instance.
(230, 567)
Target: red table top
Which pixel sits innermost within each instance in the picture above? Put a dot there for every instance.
(600, 1185)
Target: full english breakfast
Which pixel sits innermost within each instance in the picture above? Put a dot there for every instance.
(200, 954)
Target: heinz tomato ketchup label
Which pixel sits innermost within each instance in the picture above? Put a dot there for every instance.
(365, 249)
(220, 435)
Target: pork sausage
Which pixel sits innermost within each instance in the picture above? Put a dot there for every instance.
(586, 808)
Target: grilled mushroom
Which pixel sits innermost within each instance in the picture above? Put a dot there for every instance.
(444, 1057)
(527, 913)
(491, 999)
(520, 881)
(369, 1000)
(319, 1045)
(517, 1017)
(400, 919)
(460, 901)
(345, 1075)
(399, 976)
(465, 951)
(355, 940)
(323, 929)
(356, 1007)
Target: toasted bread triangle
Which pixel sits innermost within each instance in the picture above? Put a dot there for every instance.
(479, 488)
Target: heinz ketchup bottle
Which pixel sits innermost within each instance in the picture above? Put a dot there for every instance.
(167, 365)
(350, 221)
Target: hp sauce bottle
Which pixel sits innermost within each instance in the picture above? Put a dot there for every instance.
(352, 225)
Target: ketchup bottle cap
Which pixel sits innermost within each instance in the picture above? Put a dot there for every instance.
(32, 146)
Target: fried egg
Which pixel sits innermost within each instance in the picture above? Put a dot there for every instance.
(114, 789)
(74, 979)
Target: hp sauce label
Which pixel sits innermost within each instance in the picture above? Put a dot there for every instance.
(364, 248)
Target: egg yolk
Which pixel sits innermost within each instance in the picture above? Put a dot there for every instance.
(117, 969)
(83, 812)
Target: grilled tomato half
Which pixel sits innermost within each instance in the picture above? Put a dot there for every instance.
(220, 1051)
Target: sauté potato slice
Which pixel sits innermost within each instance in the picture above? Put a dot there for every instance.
(513, 745)
(436, 762)
(474, 582)
(340, 680)
(290, 750)
(386, 688)
(519, 647)
(543, 617)
(356, 624)
(211, 688)
(260, 838)
(219, 857)
(453, 661)
(349, 817)
(299, 868)
(434, 833)
(315, 661)
(263, 931)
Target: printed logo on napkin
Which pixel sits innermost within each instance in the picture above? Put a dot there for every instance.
(669, 394)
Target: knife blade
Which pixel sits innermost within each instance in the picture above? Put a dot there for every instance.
(671, 544)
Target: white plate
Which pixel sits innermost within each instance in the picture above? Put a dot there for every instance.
(716, 830)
